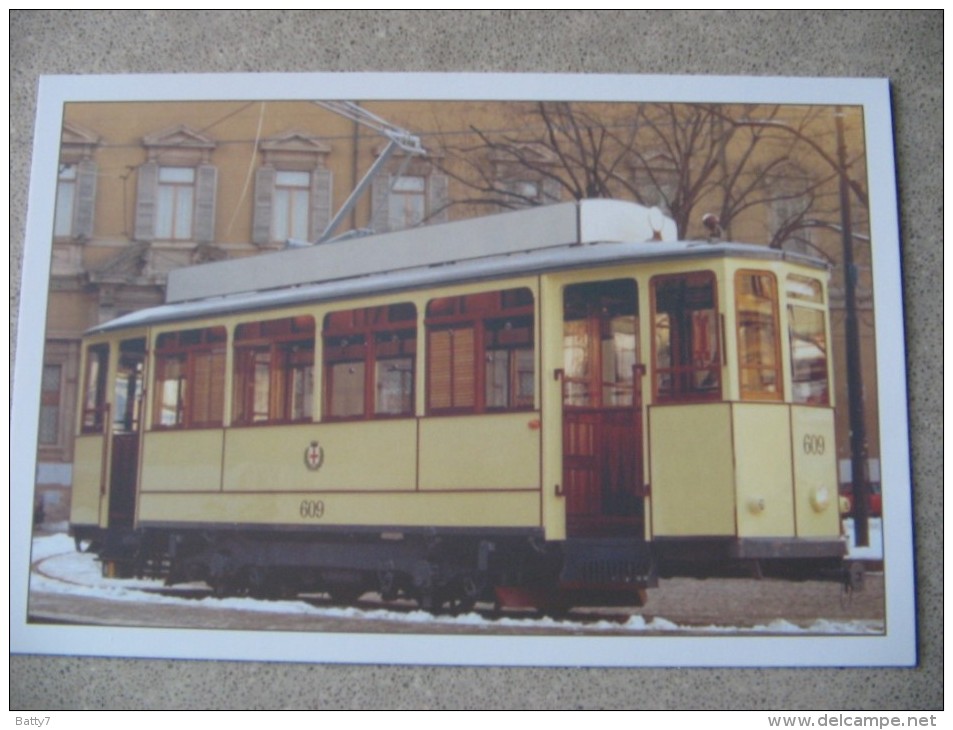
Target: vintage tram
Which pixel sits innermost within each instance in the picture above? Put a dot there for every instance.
(541, 407)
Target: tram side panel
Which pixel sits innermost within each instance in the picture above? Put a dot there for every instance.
(86, 499)
(762, 448)
(182, 461)
(492, 451)
(815, 472)
(692, 470)
(475, 471)
(373, 455)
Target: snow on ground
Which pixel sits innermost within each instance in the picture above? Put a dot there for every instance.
(60, 569)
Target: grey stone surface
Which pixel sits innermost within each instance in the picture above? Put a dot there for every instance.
(904, 46)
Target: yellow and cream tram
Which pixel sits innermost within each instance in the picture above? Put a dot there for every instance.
(544, 405)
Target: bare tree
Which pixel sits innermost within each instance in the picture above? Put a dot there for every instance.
(687, 159)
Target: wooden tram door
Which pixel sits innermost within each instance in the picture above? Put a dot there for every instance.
(602, 419)
(126, 426)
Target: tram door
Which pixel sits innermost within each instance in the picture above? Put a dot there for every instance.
(602, 421)
(126, 425)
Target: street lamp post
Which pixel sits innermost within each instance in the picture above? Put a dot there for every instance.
(860, 486)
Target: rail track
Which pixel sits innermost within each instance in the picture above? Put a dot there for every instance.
(682, 604)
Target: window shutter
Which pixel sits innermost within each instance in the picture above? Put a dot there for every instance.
(84, 204)
(146, 191)
(206, 177)
(451, 368)
(551, 191)
(264, 194)
(320, 201)
(380, 203)
(440, 369)
(464, 368)
(438, 198)
(208, 389)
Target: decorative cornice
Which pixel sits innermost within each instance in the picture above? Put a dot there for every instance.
(180, 144)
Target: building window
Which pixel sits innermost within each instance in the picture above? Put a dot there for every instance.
(274, 371)
(759, 361)
(176, 188)
(51, 385)
(656, 181)
(65, 200)
(291, 204)
(480, 352)
(292, 189)
(175, 203)
(76, 184)
(687, 359)
(407, 202)
(524, 174)
(291, 211)
(75, 200)
(807, 334)
(190, 378)
(94, 389)
(417, 196)
(791, 196)
(369, 362)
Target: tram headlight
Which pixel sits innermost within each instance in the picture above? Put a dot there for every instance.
(756, 505)
(820, 498)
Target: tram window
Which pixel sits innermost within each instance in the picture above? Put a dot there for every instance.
(481, 352)
(804, 288)
(190, 378)
(685, 330)
(759, 361)
(369, 362)
(509, 363)
(600, 334)
(94, 398)
(274, 371)
(127, 394)
(807, 334)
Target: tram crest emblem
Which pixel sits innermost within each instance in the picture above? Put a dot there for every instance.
(314, 456)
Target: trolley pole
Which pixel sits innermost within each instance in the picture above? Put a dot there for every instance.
(860, 486)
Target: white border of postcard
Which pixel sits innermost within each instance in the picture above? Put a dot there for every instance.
(896, 647)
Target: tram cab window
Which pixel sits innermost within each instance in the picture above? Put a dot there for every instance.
(687, 359)
(759, 359)
(807, 334)
(274, 371)
(480, 352)
(94, 394)
(190, 378)
(369, 362)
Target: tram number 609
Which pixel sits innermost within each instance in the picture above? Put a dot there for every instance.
(311, 509)
(813, 444)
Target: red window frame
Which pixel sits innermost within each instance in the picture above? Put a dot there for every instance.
(687, 351)
(464, 334)
(378, 347)
(94, 390)
(758, 335)
(194, 360)
(810, 359)
(285, 349)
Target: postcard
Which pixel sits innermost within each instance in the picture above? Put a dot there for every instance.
(477, 369)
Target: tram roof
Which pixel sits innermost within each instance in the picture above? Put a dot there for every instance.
(424, 277)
